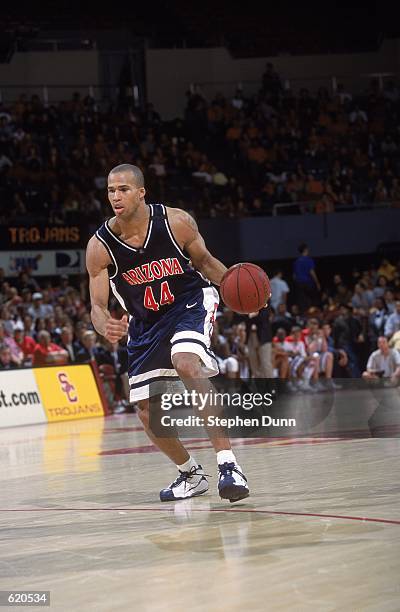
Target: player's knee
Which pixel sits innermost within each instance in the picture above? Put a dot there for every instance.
(187, 365)
(143, 412)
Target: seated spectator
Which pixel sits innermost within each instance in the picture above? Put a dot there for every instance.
(68, 344)
(239, 349)
(280, 357)
(378, 316)
(39, 309)
(347, 334)
(17, 355)
(342, 295)
(48, 353)
(394, 341)
(302, 367)
(381, 286)
(6, 362)
(317, 347)
(390, 301)
(383, 363)
(116, 356)
(387, 270)
(281, 318)
(7, 320)
(339, 355)
(26, 343)
(296, 317)
(227, 363)
(361, 299)
(89, 349)
(392, 324)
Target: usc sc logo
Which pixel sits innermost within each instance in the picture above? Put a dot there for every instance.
(67, 387)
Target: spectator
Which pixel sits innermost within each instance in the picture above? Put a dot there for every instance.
(67, 343)
(390, 301)
(361, 300)
(395, 341)
(26, 343)
(282, 318)
(392, 324)
(88, 351)
(280, 357)
(16, 352)
(340, 356)
(48, 353)
(387, 270)
(317, 347)
(347, 333)
(259, 335)
(228, 365)
(240, 350)
(383, 363)
(39, 310)
(377, 319)
(6, 362)
(279, 290)
(302, 367)
(306, 280)
(381, 286)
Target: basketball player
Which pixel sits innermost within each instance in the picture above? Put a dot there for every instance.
(146, 253)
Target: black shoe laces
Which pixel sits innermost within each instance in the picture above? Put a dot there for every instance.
(184, 476)
(226, 469)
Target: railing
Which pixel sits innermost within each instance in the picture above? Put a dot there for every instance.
(309, 206)
(50, 94)
(353, 83)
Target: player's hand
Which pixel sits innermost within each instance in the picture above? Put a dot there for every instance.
(116, 329)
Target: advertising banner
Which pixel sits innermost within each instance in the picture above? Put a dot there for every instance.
(20, 401)
(43, 263)
(69, 392)
(40, 395)
(43, 237)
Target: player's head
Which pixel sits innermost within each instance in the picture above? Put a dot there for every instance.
(126, 189)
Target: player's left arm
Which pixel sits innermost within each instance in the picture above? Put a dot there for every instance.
(186, 232)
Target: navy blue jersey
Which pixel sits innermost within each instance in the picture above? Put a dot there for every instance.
(148, 281)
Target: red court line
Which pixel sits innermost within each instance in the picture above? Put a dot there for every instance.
(255, 510)
(150, 448)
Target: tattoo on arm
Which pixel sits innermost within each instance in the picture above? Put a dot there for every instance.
(189, 221)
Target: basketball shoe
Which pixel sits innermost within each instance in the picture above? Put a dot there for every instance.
(232, 482)
(188, 484)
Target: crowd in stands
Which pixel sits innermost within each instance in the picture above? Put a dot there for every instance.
(226, 157)
(350, 329)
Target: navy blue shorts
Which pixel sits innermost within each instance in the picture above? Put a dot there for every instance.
(186, 328)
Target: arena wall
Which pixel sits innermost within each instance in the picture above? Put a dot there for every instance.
(28, 73)
(170, 72)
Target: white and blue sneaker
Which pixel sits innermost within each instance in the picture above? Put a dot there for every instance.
(188, 484)
(232, 482)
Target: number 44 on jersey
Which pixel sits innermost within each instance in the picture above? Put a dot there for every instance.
(166, 297)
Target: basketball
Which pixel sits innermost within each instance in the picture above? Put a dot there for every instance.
(245, 288)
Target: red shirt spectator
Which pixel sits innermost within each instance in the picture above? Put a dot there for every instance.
(48, 353)
(26, 343)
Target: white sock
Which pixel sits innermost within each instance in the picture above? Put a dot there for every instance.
(225, 456)
(308, 372)
(187, 466)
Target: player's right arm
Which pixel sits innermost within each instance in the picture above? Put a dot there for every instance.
(97, 261)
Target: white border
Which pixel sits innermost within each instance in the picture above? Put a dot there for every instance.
(171, 235)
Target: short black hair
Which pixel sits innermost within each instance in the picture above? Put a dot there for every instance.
(302, 247)
(135, 170)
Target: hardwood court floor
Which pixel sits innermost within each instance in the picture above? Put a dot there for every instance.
(80, 517)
